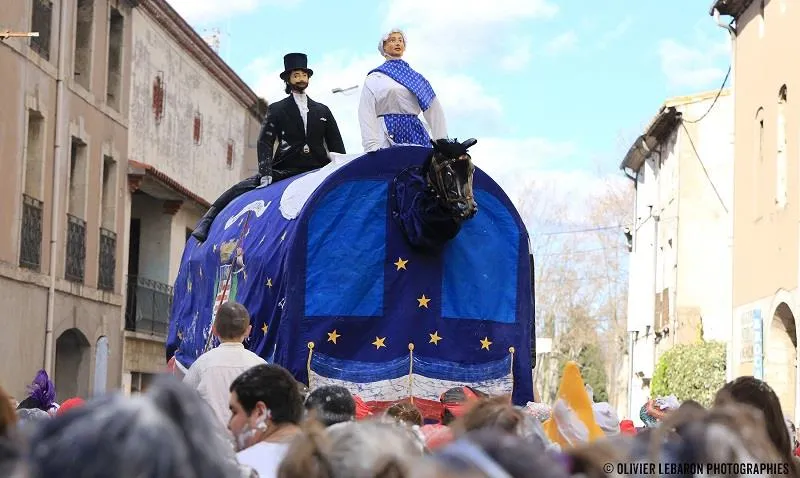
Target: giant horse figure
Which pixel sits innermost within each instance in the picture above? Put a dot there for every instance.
(398, 274)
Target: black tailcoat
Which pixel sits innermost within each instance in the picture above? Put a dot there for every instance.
(285, 125)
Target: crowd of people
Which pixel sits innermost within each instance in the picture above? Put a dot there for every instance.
(274, 426)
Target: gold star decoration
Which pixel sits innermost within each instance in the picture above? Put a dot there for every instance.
(423, 301)
(180, 335)
(434, 338)
(332, 336)
(485, 343)
(269, 282)
(401, 263)
(379, 342)
(264, 329)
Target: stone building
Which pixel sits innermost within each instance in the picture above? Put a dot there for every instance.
(63, 149)
(193, 130)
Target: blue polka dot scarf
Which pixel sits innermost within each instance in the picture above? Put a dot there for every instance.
(401, 72)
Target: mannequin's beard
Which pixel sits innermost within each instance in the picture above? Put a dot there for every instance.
(298, 87)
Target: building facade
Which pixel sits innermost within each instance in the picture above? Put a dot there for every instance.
(767, 198)
(193, 128)
(63, 149)
(680, 242)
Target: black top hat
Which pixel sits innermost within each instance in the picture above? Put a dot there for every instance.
(295, 61)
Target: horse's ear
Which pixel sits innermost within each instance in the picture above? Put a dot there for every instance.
(469, 143)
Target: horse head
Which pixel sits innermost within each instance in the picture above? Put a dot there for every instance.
(449, 173)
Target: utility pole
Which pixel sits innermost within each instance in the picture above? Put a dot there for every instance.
(9, 34)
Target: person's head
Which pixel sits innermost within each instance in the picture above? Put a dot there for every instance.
(405, 412)
(353, 449)
(263, 398)
(487, 453)
(756, 393)
(393, 44)
(330, 405)
(167, 432)
(454, 402)
(232, 323)
(496, 413)
(70, 404)
(41, 393)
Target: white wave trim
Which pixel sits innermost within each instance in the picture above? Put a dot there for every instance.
(421, 387)
(296, 194)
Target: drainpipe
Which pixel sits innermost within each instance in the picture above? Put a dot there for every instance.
(729, 349)
(59, 159)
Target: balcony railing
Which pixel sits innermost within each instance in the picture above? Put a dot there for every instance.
(149, 305)
(30, 247)
(76, 249)
(107, 260)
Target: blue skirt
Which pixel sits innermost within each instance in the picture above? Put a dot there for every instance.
(406, 129)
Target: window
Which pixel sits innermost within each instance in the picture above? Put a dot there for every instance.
(30, 253)
(158, 97)
(758, 163)
(34, 156)
(77, 178)
(82, 63)
(229, 155)
(116, 23)
(780, 159)
(41, 22)
(108, 214)
(197, 129)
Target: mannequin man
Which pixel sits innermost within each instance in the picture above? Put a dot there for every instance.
(295, 138)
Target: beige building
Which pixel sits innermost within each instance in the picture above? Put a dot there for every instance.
(63, 150)
(767, 197)
(680, 260)
(193, 130)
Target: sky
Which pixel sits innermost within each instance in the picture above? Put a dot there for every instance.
(555, 91)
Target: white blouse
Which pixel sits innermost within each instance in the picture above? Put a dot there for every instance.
(381, 95)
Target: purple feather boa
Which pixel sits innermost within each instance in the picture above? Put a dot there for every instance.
(43, 390)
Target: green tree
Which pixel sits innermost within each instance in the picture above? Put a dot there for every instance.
(691, 372)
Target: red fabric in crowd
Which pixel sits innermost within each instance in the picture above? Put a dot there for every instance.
(436, 436)
(74, 402)
(362, 410)
(797, 451)
(626, 427)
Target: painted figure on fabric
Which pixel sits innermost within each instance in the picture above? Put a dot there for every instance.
(393, 96)
(295, 138)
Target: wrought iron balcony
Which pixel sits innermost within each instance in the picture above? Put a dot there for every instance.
(76, 249)
(30, 247)
(107, 260)
(148, 307)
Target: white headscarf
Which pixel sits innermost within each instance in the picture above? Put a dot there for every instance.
(606, 418)
(386, 37)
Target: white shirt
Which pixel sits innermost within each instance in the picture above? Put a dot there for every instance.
(301, 99)
(264, 457)
(214, 371)
(380, 96)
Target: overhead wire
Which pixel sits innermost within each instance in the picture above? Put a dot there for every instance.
(702, 165)
(719, 93)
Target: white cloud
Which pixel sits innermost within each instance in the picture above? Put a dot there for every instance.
(561, 43)
(461, 30)
(519, 56)
(615, 33)
(201, 12)
(692, 66)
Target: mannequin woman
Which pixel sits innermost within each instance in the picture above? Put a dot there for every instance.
(392, 99)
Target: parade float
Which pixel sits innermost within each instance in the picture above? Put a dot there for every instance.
(398, 274)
